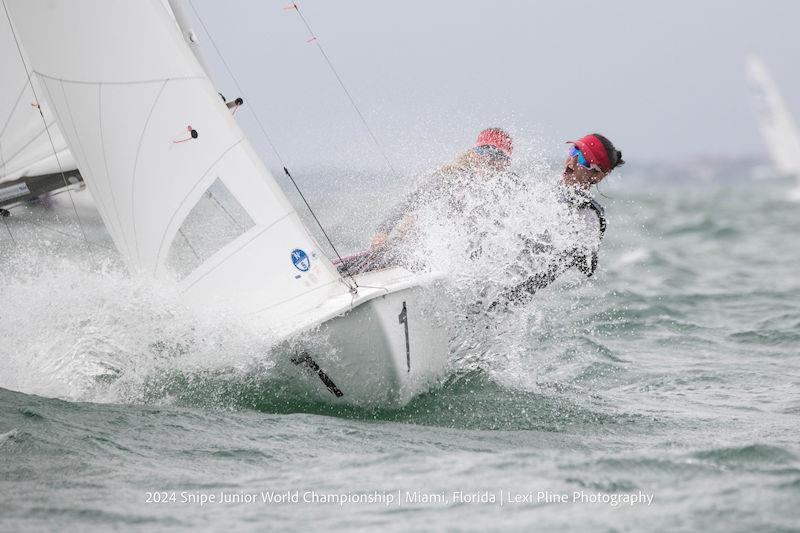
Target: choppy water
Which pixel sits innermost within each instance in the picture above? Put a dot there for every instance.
(673, 374)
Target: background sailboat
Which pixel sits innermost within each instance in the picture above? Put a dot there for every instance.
(778, 128)
(184, 196)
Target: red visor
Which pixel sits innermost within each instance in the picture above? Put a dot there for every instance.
(594, 151)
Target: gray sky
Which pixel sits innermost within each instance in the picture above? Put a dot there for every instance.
(662, 80)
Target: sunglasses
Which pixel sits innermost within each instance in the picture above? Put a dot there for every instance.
(490, 151)
(581, 160)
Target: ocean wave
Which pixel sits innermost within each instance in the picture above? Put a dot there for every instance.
(747, 455)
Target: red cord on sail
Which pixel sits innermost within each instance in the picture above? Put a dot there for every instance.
(192, 135)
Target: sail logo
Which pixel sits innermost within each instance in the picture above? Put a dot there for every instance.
(300, 260)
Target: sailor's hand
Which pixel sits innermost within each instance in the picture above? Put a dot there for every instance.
(378, 241)
(409, 221)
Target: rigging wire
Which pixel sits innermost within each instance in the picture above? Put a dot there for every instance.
(5, 221)
(272, 145)
(4, 213)
(315, 40)
(2, 159)
(236, 82)
(341, 261)
(46, 128)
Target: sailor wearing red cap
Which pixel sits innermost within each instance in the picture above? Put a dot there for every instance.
(591, 158)
(489, 158)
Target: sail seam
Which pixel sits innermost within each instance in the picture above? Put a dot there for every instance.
(123, 235)
(2, 132)
(189, 194)
(13, 109)
(105, 82)
(296, 296)
(136, 166)
(30, 142)
(20, 220)
(57, 116)
(13, 167)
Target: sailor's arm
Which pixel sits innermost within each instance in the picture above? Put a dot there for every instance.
(582, 256)
(543, 278)
(402, 223)
(401, 216)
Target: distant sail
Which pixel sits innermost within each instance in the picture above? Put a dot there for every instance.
(161, 155)
(25, 149)
(778, 129)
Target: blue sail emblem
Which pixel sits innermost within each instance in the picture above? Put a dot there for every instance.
(300, 260)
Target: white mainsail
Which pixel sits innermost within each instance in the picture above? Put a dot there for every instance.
(777, 126)
(25, 148)
(157, 148)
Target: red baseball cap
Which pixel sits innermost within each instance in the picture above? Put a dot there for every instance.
(594, 151)
(497, 138)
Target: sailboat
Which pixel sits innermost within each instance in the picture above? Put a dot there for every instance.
(778, 128)
(123, 98)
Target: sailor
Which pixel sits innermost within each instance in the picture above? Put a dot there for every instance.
(488, 158)
(591, 158)
(448, 186)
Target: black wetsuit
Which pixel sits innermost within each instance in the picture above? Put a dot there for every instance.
(591, 215)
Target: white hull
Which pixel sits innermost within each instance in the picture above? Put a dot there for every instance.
(360, 357)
